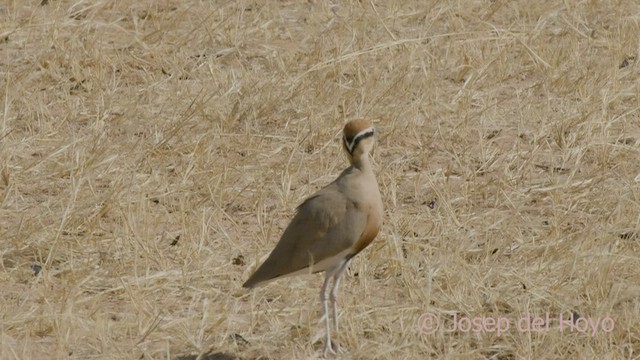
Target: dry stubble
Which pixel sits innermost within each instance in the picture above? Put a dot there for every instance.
(151, 153)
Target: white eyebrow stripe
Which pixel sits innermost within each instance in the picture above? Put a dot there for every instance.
(357, 138)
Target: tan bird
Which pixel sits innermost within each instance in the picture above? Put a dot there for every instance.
(332, 226)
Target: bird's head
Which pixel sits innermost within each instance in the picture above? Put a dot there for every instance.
(358, 139)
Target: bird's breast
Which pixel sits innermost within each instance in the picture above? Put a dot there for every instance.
(372, 227)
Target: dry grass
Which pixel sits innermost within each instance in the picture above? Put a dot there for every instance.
(151, 153)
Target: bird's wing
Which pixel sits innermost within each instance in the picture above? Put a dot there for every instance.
(325, 224)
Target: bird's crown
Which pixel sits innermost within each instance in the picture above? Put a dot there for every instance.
(354, 131)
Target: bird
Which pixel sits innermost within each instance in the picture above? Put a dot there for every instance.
(331, 226)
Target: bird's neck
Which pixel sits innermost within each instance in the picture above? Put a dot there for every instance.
(362, 162)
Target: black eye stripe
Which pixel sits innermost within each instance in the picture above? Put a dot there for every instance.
(352, 144)
(361, 136)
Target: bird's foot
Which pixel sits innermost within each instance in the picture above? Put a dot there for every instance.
(328, 352)
(331, 349)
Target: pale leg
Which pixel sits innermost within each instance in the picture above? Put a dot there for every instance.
(333, 295)
(325, 314)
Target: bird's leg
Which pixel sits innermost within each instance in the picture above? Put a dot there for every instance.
(333, 295)
(325, 314)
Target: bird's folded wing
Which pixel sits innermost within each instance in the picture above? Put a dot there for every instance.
(325, 225)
